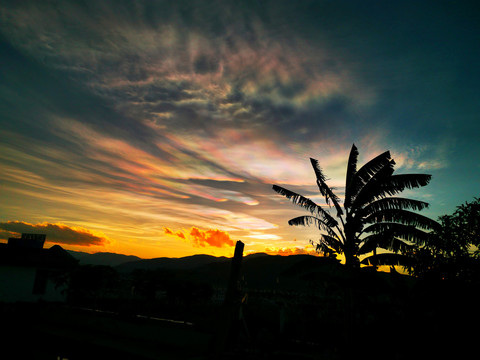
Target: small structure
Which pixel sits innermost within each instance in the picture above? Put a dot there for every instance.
(28, 272)
(28, 241)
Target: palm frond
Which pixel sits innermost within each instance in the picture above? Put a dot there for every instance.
(298, 199)
(351, 171)
(403, 217)
(390, 203)
(307, 220)
(370, 168)
(351, 165)
(318, 170)
(391, 243)
(387, 259)
(364, 174)
(405, 232)
(398, 183)
(369, 244)
(390, 186)
(325, 190)
(372, 185)
(396, 245)
(308, 204)
(332, 242)
(322, 247)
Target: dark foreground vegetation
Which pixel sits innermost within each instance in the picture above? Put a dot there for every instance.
(289, 307)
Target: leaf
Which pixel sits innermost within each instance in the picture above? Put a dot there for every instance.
(332, 242)
(391, 185)
(372, 185)
(351, 170)
(324, 248)
(298, 199)
(307, 220)
(405, 232)
(373, 166)
(406, 181)
(388, 259)
(325, 190)
(403, 217)
(318, 170)
(308, 204)
(394, 203)
(391, 243)
(365, 173)
(370, 243)
(352, 164)
(396, 245)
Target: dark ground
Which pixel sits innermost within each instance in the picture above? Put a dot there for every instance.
(299, 311)
(51, 331)
(437, 322)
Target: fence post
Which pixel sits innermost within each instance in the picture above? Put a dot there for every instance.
(229, 323)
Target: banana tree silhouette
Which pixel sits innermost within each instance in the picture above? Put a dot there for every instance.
(371, 217)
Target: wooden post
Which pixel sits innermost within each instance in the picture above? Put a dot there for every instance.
(233, 281)
(230, 314)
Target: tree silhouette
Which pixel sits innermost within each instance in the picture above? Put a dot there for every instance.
(371, 216)
(453, 253)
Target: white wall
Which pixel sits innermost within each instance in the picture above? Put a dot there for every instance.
(16, 284)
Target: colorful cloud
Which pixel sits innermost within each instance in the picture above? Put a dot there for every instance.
(203, 238)
(211, 237)
(123, 118)
(291, 251)
(58, 233)
(168, 231)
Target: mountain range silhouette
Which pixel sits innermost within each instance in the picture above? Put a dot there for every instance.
(259, 270)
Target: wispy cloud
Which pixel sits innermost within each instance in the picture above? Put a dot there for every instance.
(425, 157)
(167, 113)
(264, 236)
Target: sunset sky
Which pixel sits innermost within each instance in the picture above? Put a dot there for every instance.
(157, 128)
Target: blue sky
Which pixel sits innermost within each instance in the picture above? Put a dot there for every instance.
(157, 128)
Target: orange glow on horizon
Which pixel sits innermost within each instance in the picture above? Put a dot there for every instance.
(287, 251)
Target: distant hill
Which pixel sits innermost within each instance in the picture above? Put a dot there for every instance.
(259, 271)
(184, 263)
(102, 258)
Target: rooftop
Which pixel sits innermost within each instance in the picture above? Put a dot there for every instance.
(28, 251)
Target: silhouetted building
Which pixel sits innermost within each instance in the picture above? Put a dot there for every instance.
(28, 272)
(31, 241)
